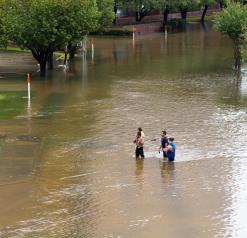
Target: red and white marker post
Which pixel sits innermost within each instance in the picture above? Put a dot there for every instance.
(29, 86)
(92, 50)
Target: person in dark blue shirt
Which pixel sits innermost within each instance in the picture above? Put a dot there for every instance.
(171, 150)
(163, 143)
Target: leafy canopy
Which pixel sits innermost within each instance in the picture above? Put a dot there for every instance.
(232, 21)
(105, 8)
(48, 24)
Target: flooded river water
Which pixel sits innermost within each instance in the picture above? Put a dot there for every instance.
(66, 161)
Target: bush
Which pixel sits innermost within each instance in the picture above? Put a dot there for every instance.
(114, 32)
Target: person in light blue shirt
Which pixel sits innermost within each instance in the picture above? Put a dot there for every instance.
(171, 149)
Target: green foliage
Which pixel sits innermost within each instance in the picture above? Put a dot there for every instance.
(49, 24)
(105, 8)
(147, 4)
(3, 36)
(114, 32)
(44, 26)
(187, 4)
(166, 4)
(207, 2)
(244, 48)
(232, 21)
(142, 7)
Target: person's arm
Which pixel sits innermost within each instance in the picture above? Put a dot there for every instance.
(141, 141)
(160, 147)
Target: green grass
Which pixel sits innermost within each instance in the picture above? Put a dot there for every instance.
(14, 49)
(12, 104)
(20, 50)
(193, 19)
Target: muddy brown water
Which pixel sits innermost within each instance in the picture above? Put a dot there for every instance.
(66, 161)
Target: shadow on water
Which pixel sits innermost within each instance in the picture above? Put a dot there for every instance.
(235, 94)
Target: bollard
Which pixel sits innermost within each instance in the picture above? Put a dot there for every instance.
(92, 50)
(29, 86)
(134, 37)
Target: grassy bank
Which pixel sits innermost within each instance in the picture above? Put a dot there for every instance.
(193, 19)
(11, 104)
(14, 49)
(20, 50)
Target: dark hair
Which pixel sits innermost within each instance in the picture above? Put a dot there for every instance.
(139, 133)
(171, 139)
(164, 132)
(139, 129)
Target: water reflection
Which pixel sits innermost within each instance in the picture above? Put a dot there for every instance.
(84, 68)
(139, 167)
(167, 170)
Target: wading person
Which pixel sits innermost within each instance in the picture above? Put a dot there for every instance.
(171, 150)
(142, 133)
(139, 141)
(163, 143)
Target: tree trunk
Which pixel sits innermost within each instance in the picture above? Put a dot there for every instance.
(165, 17)
(42, 58)
(142, 14)
(115, 11)
(221, 5)
(137, 16)
(183, 12)
(42, 66)
(50, 61)
(237, 57)
(65, 57)
(204, 12)
(71, 51)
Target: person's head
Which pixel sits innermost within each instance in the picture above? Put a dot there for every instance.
(171, 140)
(139, 129)
(163, 133)
(139, 134)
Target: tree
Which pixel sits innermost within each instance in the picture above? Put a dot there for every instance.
(142, 7)
(44, 26)
(105, 18)
(185, 5)
(3, 38)
(205, 4)
(106, 10)
(222, 3)
(233, 22)
(118, 4)
(166, 6)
